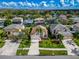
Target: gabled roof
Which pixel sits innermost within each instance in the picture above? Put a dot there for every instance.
(59, 27)
(77, 25)
(13, 27)
(28, 21)
(17, 18)
(2, 18)
(39, 19)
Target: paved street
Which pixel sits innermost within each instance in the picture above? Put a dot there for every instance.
(9, 48)
(71, 46)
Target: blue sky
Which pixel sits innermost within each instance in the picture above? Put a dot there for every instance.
(23, 0)
(45, 4)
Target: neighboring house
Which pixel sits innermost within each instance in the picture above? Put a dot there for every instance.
(76, 27)
(52, 21)
(14, 30)
(75, 19)
(39, 21)
(63, 17)
(44, 31)
(27, 21)
(2, 20)
(61, 29)
(17, 20)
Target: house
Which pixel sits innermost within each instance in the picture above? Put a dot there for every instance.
(27, 21)
(17, 20)
(39, 21)
(63, 17)
(42, 32)
(75, 19)
(2, 20)
(76, 27)
(14, 30)
(61, 29)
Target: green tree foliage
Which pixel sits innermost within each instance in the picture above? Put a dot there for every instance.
(76, 35)
(7, 22)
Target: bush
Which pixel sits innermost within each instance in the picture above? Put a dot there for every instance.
(7, 22)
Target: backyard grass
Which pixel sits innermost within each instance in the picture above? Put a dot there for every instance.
(50, 44)
(76, 41)
(1, 43)
(24, 44)
(22, 52)
(52, 52)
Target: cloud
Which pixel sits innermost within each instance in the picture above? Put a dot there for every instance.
(13, 3)
(5, 3)
(43, 3)
(33, 4)
(62, 1)
(77, 0)
(52, 1)
(22, 3)
(28, 4)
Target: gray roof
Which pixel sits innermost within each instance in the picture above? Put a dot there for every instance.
(66, 33)
(59, 27)
(28, 21)
(76, 25)
(14, 26)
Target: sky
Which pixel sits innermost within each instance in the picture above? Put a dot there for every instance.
(39, 4)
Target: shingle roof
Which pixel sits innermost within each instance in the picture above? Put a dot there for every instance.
(13, 26)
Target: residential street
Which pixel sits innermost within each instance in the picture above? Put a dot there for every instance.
(9, 48)
(72, 48)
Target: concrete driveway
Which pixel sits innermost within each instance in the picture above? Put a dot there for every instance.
(34, 48)
(9, 48)
(70, 46)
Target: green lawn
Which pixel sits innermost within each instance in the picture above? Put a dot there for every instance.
(22, 52)
(1, 38)
(50, 44)
(76, 41)
(52, 52)
(1, 43)
(24, 44)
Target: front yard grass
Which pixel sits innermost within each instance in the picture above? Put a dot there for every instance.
(52, 52)
(1, 43)
(24, 44)
(22, 52)
(76, 41)
(50, 44)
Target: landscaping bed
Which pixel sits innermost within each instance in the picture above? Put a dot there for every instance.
(76, 41)
(52, 52)
(50, 44)
(22, 52)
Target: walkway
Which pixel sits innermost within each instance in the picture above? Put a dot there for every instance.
(72, 48)
(9, 48)
(52, 48)
(34, 48)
